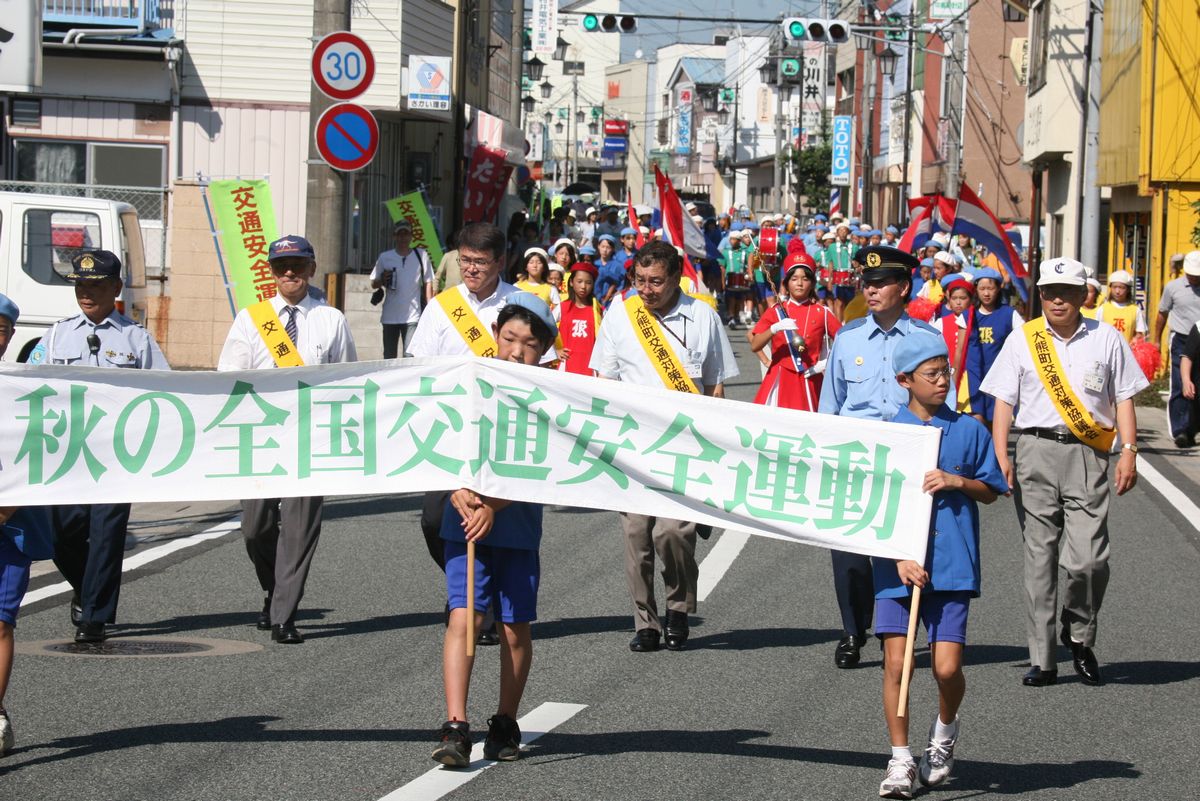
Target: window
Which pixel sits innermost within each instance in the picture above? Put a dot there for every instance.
(51, 240)
(90, 163)
(51, 162)
(1039, 44)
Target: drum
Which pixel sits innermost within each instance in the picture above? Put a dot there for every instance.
(737, 282)
(768, 245)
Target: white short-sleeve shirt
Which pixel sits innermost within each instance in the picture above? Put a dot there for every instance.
(1098, 364)
(437, 336)
(402, 294)
(693, 330)
(321, 330)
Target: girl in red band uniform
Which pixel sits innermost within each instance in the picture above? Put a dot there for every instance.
(797, 329)
(578, 320)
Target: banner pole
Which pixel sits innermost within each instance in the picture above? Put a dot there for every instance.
(470, 598)
(909, 642)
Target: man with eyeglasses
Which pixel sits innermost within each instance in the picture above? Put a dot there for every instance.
(291, 329)
(1071, 380)
(860, 382)
(699, 360)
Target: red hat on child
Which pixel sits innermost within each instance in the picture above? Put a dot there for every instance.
(585, 267)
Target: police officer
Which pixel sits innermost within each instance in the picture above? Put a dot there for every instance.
(90, 539)
(860, 381)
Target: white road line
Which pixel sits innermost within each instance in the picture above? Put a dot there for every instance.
(442, 781)
(719, 560)
(145, 557)
(1175, 496)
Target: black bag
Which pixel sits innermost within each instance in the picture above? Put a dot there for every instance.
(377, 297)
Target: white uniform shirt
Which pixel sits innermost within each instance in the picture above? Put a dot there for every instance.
(437, 336)
(691, 326)
(402, 295)
(1098, 364)
(324, 337)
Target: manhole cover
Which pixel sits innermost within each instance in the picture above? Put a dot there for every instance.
(124, 647)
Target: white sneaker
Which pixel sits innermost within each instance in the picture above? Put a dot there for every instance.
(6, 734)
(938, 758)
(900, 778)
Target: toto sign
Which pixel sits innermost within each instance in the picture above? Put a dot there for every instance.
(843, 138)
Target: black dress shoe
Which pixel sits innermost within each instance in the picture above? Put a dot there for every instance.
(76, 610)
(676, 633)
(645, 640)
(847, 653)
(264, 617)
(488, 637)
(1083, 660)
(286, 634)
(1183, 441)
(90, 633)
(1036, 677)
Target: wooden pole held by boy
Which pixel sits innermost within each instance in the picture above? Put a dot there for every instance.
(909, 642)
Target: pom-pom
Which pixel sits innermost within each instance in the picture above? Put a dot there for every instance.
(1148, 358)
(922, 309)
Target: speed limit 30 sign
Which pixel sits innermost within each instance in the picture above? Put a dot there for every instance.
(342, 65)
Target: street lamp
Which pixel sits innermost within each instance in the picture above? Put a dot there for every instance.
(593, 128)
(766, 73)
(527, 103)
(710, 100)
(534, 67)
(560, 49)
(579, 117)
(887, 61)
(723, 116)
(547, 87)
(558, 127)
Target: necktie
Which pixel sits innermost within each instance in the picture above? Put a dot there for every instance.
(290, 325)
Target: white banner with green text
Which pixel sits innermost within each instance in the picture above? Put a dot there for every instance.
(90, 435)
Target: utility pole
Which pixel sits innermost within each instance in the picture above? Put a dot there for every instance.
(868, 106)
(1088, 231)
(327, 209)
(908, 73)
(956, 78)
(574, 164)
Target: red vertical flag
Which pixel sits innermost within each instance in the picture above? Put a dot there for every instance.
(672, 215)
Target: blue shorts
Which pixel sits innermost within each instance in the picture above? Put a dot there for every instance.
(14, 580)
(944, 615)
(844, 293)
(762, 290)
(507, 577)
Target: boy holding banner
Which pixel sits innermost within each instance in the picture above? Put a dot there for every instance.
(505, 573)
(1071, 380)
(967, 474)
(292, 329)
(662, 337)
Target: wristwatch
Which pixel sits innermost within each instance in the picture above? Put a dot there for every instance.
(1131, 447)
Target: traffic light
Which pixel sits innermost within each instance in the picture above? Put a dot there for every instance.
(823, 31)
(608, 23)
(789, 67)
(895, 27)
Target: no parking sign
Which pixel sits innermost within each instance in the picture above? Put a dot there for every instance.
(347, 137)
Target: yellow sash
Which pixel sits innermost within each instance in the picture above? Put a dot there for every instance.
(477, 336)
(270, 328)
(1054, 379)
(660, 353)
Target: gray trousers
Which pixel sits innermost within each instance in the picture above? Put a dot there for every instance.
(281, 538)
(1062, 496)
(675, 543)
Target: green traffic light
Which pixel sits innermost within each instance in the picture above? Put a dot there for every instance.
(591, 23)
(796, 29)
(790, 67)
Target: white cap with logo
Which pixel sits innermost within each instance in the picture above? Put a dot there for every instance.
(1062, 271)
(1191, 263)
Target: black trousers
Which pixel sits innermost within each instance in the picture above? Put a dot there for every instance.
(854, 586)
(432, 512)
(89, 545)
(394, 335)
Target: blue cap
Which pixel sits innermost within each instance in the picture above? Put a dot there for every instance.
(530, 301)
(9, 309)
(737, 226)
(891, 229)
(927, 261)
(854, 221)
(988, 272)
(874, 232)
(587, 250)
(821, 217)
(629, 230)
(918, 347)
(950, 279)
(94, 264)
(752, 225)
(607, 238)
(291, 246)
(823, 228)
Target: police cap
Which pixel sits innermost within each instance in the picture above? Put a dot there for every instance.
(882, 261)
(89, 265)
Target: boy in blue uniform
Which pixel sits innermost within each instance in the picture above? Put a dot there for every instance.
(994, 321)
(507, 569)
(967, 473)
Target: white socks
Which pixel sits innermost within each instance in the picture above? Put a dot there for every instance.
(902, 752)
(945, 731)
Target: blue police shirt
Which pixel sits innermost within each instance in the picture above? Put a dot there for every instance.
(611, 273)
(517, 526)
(952, 559)
(123, 343)
(859, 379)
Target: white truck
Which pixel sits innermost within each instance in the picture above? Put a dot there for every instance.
(39, 235)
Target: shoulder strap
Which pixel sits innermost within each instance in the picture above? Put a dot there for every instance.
(662, 356)
(1058, 388)
(270, 328)
(464, 320)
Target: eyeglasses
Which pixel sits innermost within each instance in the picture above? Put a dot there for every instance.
(480, 264)
(933, 376)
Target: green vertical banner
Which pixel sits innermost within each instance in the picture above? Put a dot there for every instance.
(245, 219)
(412, 207)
